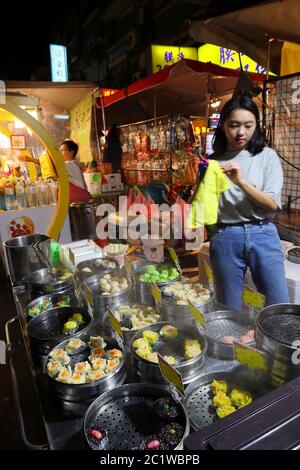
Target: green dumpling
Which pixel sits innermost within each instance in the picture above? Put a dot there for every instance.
(169, 332)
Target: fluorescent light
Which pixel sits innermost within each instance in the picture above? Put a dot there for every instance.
(62, 117)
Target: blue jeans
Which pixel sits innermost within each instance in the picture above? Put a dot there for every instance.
(257, 246)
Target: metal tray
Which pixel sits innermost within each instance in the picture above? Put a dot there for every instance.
(46, 331)
(53, 299)
(128, 335)
(189, 369)
(198, 396)
(79, 392)
(95, 267)
(225, 323)
(128, 416)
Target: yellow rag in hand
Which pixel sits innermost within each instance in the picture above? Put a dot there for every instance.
(207, 195)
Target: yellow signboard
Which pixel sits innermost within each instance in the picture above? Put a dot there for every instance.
(155, 291)
(229, 59)
(208, 272)
(250, 356)
(164, 56)
(197, 314)
(115, 324)
(81, 119)
(172, 375)
(254, 299)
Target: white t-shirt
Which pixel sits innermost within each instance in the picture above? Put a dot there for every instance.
(264, 171)
(75, 174)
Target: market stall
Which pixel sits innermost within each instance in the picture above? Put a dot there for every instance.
(167, 120)
(35, 118)
(87, 351)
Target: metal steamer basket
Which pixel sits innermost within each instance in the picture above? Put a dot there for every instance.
(128, 415)
(198, 396)
(46, 331)
(83, 392)
(100, 302)
(51, 281)
(225, 323)
(143, 293)
(189, 369)
(173, 311)
(92, 267)
(46, 302)
(278, 334)
(128, 335)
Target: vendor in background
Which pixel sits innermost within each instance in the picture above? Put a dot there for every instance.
(77, 186)
(245, 235)
(113, 149)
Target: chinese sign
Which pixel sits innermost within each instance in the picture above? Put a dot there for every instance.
(108, 92)
(59, 63)
(250, 356)
(81, 128)
(229, 58)
(163, 56)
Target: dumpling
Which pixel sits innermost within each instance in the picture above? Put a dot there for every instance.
(82, 367)
(98, 363)
(240, 398)
(151, 336)
(74, 345)
(61, 356)
(219, 386)
(169, 332)
(94, 375)
(53, 368)
(111, 365)
(97, 342)
(78, 378)
(114, 353)
(64, 375)
(221, 399)
(225, 411)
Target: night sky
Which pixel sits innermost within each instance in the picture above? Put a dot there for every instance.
(25, 35)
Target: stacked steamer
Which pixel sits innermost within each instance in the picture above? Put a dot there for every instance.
(182, 346)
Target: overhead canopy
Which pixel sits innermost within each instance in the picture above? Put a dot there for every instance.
(245, 30)
(65, 95)
(183, 88)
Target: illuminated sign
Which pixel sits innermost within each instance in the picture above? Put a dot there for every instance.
(163, 56)
(229, 58)
(59, 63)
(108, 92)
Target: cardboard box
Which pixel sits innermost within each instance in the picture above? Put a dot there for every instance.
(112, 187)
(112, 178)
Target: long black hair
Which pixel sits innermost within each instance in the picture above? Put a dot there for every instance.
(257, 142)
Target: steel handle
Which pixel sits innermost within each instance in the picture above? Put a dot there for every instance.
(16, 393)
(40, 254)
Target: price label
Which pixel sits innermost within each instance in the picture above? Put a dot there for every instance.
(88, 296)
(171, 374)
(197, 314)
(250, 356)
(254, 299)
(174, 258)
(115, 324)
(156, 294)
(208, 272)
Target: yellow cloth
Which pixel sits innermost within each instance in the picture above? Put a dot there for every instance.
(290, 58)
(47, 168)
(208, 193)
(32, 171)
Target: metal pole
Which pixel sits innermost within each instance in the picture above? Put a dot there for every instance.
(103, 112)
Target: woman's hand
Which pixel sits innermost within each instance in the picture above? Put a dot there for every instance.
(233, 171)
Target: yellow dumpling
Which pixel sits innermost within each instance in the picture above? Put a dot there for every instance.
(219, 386)
(151, 336)
(240, 398)
(170, 360)
(141, 343)
(152, 357)
(224, 411)
(221, 399)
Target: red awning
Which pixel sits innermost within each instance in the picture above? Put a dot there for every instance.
(183, 88)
